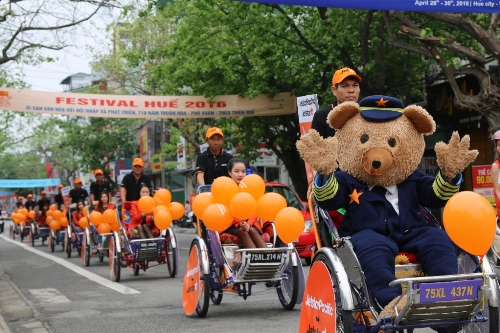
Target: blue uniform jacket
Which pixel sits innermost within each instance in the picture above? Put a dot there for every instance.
(344, 191)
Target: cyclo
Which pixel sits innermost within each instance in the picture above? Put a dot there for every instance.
(125, 250)
(467, 301)
(74, 234)
(215, 267)
(92, 242)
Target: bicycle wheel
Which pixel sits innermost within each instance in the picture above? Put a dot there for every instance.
(288, 288)
(85, 250)
(67, 245)
(196, 286)
(114, 261)
(171, 255)
(52, 242)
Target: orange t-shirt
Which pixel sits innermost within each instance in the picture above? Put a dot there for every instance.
(136, 215)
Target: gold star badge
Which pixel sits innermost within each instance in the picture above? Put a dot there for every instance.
(381, 102)
(355, 196)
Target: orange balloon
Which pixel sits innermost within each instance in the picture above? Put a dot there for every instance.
(253, 184)
(83, 223)
(115, 226)
(146, 204)
(63, 221)
(176, 209)
(54, 225)
(49, 220)
(103, 228)
(159, 207)
(163, 197)
(109, 216)
(243, 205)
(57, 214)
(470, 221)
(49, 213)
(269, 204)
(223, 189)
(12, 216)
(31, 214)
(289, 224)
(201, 202)
(52, 207)
(163, 219)
(95, 218)
(217, 217)
(85, 211)
(23, 211)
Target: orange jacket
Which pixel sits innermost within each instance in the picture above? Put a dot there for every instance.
(77, 215)
(136, 215)
(109, 206)
(254, 221)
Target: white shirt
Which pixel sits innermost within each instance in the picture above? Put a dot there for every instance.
(391, 195)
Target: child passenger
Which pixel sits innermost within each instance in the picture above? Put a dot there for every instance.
(249, 232)
(140, 221)
(77, 215)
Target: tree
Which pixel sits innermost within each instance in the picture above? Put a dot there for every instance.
(450, 41)
(21, 166)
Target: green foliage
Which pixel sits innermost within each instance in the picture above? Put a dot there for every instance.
(21, 166)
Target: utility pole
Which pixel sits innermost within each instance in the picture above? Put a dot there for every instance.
(162, 141)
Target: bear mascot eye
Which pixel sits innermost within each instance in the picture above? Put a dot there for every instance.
(392, 142)
(364, 138)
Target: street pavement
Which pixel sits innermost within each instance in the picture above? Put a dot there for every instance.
(44, 292)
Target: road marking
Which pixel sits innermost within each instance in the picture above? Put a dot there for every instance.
(49, 295)
(79, 270)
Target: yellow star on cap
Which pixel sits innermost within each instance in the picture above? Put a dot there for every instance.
(382, 102)
(355, 196)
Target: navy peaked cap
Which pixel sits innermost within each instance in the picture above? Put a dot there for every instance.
(379, 108)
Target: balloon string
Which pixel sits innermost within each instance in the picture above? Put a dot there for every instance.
(484, 279)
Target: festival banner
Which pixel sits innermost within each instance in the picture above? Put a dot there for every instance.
(26, 183)
(482, 182)
(134, 106)
(306, 107)
(450, 6)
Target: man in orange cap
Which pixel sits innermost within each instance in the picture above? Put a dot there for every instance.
(58, 198)
(345, 87)
(79, 193)
(131, 183)
(99, 186)
(44, 201)
(20, 202)
(30, 203)
(212, 163)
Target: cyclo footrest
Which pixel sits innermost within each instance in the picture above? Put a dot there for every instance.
(441, 300)
(263, 264)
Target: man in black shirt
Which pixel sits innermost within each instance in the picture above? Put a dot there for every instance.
(212, 163)
(30, 204)
(20, 202)
(44, 201)
(99, 185)
(131, 183)
(79, 193)
(345, 87)
(58, 198)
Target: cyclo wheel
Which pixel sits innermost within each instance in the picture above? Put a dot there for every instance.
(11, 232)
(114, 261)
(136, 269)
(67, 245)
(31, 239)
(288, 289)
(216, 299)
(196, 281)
(344, 318)
(170, 251)
(469, 264)
(52, 242)
(85, 250)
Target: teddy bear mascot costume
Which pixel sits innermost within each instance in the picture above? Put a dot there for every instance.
(378, 146)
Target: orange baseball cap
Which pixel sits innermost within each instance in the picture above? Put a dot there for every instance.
(341, 74)
(78, 180)
(138, 161)
(60, 186)
(214, 130)
(20, 198)
(30, 195)
(43, 192)
(98, 172)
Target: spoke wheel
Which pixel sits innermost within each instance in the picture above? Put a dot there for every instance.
(288, 289)
(11, 232)
(31, 238)
(344, 318)
(171, 255)
(136, 269)
(216, 296)
(67, 245)
(469, 264)
(114, 261)
(52, 242)
(85, 250)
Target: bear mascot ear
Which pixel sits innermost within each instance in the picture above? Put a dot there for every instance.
(342, 113)
(421, 119)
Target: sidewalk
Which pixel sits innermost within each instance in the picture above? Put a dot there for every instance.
(16, 309)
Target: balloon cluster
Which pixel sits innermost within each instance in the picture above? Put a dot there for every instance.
(228, 201)
(21, 214)
(163, 210)
(55, 218)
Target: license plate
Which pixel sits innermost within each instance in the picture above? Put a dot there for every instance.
(265, 257)
(449, 291)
